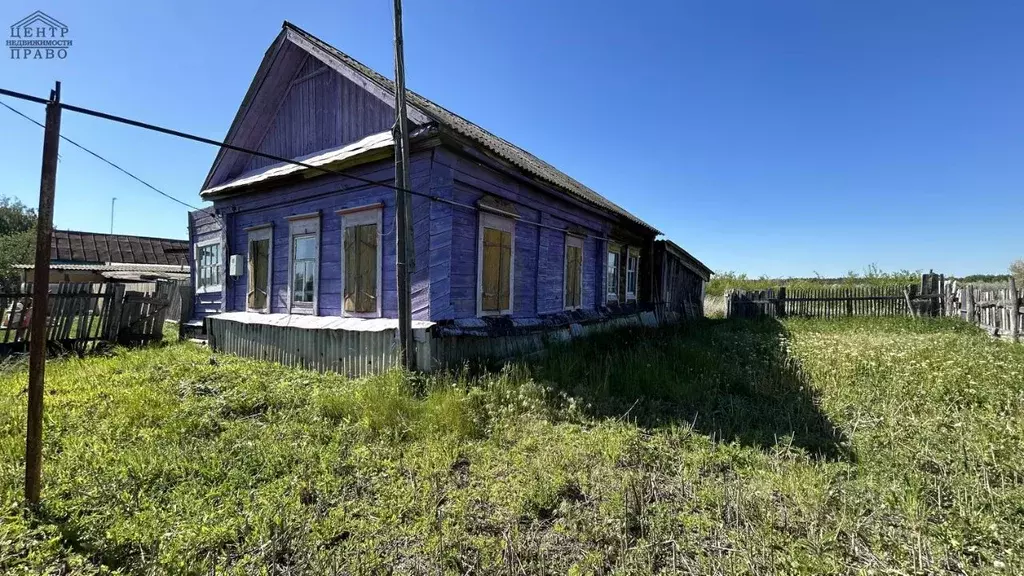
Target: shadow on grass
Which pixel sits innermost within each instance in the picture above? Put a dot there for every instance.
(730, 379)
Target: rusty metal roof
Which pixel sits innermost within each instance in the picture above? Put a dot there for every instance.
(90, 247)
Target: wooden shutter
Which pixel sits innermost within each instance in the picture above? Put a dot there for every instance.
(260, 274)
(361, 268)
(572, 276)
(251, 269)
(492, 270)
(366, 299)
(351, 269)
(505, 265)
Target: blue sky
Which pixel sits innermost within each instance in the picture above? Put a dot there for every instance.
(776, 137)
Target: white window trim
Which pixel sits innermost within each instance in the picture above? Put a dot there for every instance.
(195, 259)
(571, 240)
(612, 248)
(632, 253)
(262, 232)
(303, 225)
(489, 220)
(372, 214)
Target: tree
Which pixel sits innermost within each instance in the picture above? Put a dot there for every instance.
(1017, 271)
(17, 238)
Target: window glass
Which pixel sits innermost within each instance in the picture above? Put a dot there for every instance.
(613, 275)
(304, 268)
(632, 267)
(208, 266)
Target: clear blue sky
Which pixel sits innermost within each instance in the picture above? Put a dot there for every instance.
(771, 137)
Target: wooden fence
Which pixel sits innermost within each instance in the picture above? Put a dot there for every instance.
(81, 316)
(1000, 311)
(822, 302)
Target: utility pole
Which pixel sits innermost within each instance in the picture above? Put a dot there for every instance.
(403, 203)
(112, 200)
(40, 294)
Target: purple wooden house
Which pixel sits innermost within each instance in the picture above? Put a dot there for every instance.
(504, 243)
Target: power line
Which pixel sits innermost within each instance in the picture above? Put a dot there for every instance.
(83, 148)
(204, 140)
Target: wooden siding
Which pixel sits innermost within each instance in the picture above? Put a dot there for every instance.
(326, 195)
(540, 251)
(321, 110)
(302, 107)
(203, 225)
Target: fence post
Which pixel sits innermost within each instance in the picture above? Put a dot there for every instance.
(780, 303)
(116, 307)
(1013, 307)
(969, 297)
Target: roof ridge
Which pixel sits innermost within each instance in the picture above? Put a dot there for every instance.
(185, 240)
(431, 109)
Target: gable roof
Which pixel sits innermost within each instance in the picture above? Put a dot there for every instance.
(91, 247)
(687, 259)
(422, 110)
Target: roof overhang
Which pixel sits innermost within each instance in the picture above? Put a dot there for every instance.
(688, 259)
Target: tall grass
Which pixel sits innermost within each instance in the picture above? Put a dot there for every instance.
(865, 445)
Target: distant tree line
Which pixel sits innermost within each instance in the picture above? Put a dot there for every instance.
(722, 282)
(17, 238)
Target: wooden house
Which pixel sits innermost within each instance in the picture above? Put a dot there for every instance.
(679, 280)
(504, 243)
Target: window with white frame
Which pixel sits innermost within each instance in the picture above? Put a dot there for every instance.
(495, 263)
(361, 260)
(612, 272)
(632, 272)
(260, 245)
(208, 266)
(573, 293)
(304, 263)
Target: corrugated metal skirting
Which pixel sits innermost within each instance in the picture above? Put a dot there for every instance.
(349, 352)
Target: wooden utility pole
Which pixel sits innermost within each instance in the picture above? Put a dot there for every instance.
(403, 203)
(40, 294)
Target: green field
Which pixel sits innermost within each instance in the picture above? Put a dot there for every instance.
(858, 446)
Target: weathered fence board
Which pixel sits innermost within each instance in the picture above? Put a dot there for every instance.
(80, 316)
(834, 302)
(999, 311)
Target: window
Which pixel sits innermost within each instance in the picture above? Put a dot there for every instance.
(612, 280)
(304, 264)
(495, 256)
(208, 266)
(632, 272)
(361, 260)
(257, 297)
(573, 295)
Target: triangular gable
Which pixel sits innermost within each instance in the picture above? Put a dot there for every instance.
(302, 101)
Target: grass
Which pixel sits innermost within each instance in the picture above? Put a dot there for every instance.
(855, 446)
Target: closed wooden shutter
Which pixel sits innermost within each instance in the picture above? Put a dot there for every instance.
(496, 277)
(361, 268)
(259, 264)
(573, 260)
(366, 236)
